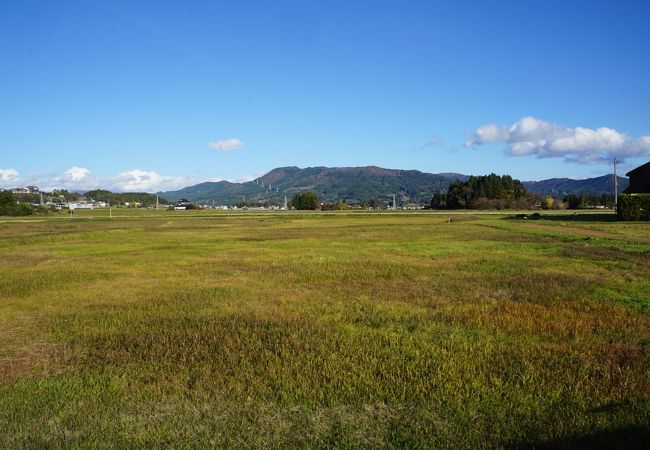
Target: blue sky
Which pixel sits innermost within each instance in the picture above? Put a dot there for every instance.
(155, 95)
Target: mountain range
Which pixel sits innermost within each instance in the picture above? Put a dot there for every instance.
(563, 186)
(361, 184)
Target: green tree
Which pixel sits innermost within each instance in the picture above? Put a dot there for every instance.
(548, 203)
(9, 207)
(439, 200)
(305, 201)
(488, 191)
(7, 198)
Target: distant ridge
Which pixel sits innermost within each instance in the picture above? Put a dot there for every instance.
(330, 183)
(355, 184)
(563, 186)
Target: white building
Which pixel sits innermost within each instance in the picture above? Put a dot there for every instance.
(80, 205)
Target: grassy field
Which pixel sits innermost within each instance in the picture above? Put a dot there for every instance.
(324, 331)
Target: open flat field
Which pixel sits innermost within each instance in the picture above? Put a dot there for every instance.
(299, 330)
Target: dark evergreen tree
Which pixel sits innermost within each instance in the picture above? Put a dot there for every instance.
(439, 200)
(305, 201)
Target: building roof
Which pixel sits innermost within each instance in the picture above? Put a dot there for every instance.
(643, 166)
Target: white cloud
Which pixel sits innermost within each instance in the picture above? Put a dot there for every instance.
(531, 136)
(140, 180)
(77, 173)
(82, 179)
(226, 145)
(245, 178)
(8, 176)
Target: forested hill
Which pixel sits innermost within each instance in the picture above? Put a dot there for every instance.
(362, 184)
(144, 198)
(557, 187)
(330, 183)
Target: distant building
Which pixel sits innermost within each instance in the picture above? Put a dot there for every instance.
(25, 190)
(80, 205)
(182, 204)
(639, 180)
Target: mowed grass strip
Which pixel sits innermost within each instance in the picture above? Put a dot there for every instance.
(323, 331)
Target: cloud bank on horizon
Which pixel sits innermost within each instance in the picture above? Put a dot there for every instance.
(530, 136)
(82, 179)
(136, 180)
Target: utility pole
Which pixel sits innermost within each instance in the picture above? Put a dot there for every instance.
(394, 204)
(157, 205)
(615, 187)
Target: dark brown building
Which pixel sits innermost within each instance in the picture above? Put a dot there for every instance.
(639, 180)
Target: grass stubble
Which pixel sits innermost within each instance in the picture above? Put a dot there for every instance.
(314, 331)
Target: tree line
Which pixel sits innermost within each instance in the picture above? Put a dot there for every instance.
(146, 199)
(583, 201)
(503, 192)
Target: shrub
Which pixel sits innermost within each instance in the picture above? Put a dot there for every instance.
(338, 206)
(633, 207)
